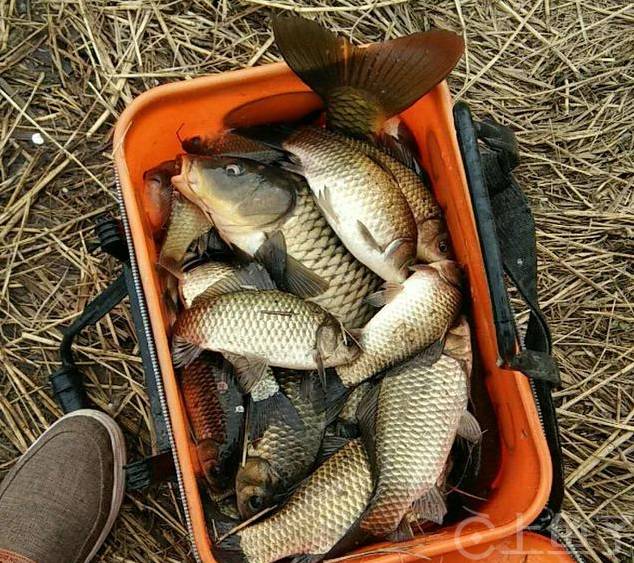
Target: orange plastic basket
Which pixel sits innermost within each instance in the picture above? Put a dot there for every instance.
(146, 135)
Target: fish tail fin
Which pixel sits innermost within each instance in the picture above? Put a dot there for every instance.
(363, 87)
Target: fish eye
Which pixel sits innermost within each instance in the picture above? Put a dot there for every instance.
(255, 502)
(443, 246)
(234, 169)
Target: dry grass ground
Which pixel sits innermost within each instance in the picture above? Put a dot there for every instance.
(559, 72)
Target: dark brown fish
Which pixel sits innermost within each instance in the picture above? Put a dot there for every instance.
(284, 454)
(156, 196)
(230, 144)
(318, 515)
(215, 408)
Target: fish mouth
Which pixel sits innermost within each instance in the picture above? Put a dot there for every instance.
(182, 181)
(449, 271)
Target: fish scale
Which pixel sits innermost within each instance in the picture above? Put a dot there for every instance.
(418, 411)
(351, 189)
(308, 235)
(279, 327)
(319, 512)
(291, 451)
(417, 316)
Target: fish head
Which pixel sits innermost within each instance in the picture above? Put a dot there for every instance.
(335, 346)
(236, 191)
(255, 486)
(434, 243)
(157, 193)
(218, 478)
(458, 343)
(449, 271)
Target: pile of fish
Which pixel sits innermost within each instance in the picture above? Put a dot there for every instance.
(315, 307)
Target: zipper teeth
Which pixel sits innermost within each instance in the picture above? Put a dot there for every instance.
(570, 546)
(156, 372)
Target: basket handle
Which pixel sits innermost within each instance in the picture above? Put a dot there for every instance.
(506, 229)
(68, 382)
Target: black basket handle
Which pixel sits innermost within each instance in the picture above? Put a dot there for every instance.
(506, 230)
(68, 382)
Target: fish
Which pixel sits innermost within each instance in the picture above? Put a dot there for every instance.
(414, 316)
(288, 232)
(283, 455)
(212, 279)
(409, 421)
(228, 143)
(187, 223)
(359, 197)
(215, 278)
(362, 87)
(317, 516)
(432, 242)
(215, 409)
(255, 329)
(156, 196)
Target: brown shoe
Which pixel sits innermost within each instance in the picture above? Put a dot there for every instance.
(59, 502)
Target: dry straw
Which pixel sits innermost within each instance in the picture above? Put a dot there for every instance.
(560, 73)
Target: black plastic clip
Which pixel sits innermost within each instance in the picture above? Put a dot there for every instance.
(142, 473)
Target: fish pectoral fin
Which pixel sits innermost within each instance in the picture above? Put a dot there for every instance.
(384, 296)
(184, 352)
(321, 370)
(247, 369)
(308, 558)
(376, 299)
(272, 255)
(329, 446)
(301, 281)
(171, 265)
(322, 197)
(400, 152)
(335, 398)
(366, 416)
(368, 238)
(431, 506)
(402, 533)
(430, 355)
(469, 428)
(276, 407)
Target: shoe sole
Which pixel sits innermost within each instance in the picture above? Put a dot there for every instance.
(119, 452)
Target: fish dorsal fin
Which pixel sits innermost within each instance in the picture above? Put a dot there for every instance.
(431, 506)
(469, 428)
(277, 407)
(247, 369)
(381, 80)
(254, 276)
(366, 415)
